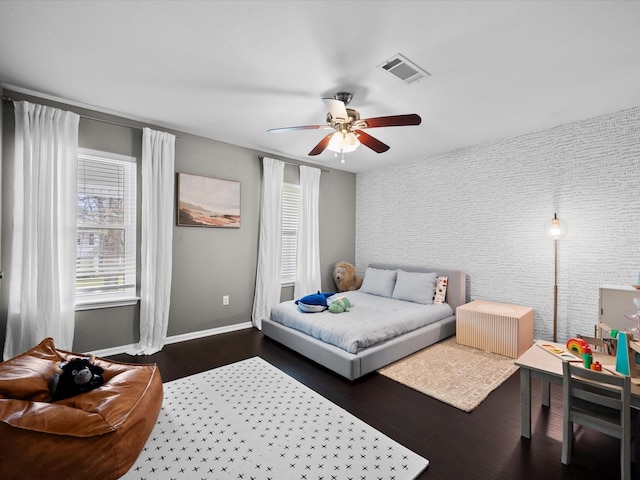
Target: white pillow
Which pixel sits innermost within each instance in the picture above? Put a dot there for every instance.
(417, 287)
(378, 282)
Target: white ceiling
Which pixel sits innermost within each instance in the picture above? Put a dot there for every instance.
(231, 70)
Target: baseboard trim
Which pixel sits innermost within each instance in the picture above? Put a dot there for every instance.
(106, 352)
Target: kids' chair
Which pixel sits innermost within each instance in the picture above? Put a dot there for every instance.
(597, 400)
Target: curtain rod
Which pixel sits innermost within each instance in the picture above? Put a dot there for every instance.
(260, 157)
(87, 117)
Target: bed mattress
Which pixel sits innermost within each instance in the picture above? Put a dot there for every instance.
(371, 320)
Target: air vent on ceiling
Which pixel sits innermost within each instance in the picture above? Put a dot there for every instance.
(403, 69)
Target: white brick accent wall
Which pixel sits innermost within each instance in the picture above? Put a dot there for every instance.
(483, 209)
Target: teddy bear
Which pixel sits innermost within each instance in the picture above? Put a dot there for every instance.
(344, 275)
(78, 375)
(340, 305)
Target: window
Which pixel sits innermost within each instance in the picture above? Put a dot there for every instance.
(106, 233)
(290, 205)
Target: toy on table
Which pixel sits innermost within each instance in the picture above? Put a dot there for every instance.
(559, 352)
(578, 347)
(581, 349)
(625, 359)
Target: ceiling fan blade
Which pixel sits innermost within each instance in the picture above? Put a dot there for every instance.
(390, 121)
(321, 146)
(337, 109)
(304, 127)
(373, 143)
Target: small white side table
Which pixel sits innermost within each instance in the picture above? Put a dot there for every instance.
(495, 327)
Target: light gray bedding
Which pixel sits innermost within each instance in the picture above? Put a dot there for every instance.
(371, 320)
(367, 360)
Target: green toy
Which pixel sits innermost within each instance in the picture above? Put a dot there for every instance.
(340, 305)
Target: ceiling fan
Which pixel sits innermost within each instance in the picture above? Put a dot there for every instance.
(349, 128)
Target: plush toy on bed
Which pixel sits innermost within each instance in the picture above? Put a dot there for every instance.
(340, 305)
(76, 376)
(344, 274)
(316, 302)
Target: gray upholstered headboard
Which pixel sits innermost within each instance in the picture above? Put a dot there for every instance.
(456, 285)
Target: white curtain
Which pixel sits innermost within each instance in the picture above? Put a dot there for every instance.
(158, 159)
(308, 277)
(42, 271)
(267, 292)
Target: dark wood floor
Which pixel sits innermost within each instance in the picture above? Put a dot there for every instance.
(484, 444)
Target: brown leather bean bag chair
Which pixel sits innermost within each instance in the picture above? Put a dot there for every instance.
(95, 435)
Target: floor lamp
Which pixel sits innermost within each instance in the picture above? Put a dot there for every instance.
(556, 230)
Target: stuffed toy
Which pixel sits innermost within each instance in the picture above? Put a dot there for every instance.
(76, 376)
(344, 274)
(316, 302)
(340, 305)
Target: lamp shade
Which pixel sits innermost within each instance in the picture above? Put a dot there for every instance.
(555, 228)
(343, 142)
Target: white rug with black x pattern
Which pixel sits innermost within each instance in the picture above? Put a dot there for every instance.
(251, 421)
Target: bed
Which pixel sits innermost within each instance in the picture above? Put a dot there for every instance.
(398, 326)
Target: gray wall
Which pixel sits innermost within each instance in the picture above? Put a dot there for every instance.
(483, 209)
(207, 262)
(2, 110)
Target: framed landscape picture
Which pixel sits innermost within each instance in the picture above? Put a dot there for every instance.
(208, 202)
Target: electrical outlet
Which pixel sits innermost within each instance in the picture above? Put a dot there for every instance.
(225, 300)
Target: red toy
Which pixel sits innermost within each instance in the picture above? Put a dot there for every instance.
(578, 347)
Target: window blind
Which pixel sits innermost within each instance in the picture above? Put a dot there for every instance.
(290, 206)
(106, 234)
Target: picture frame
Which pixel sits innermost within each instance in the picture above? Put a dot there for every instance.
(208, 202)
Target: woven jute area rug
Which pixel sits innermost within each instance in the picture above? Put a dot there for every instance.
(455, 374)
(251, 421)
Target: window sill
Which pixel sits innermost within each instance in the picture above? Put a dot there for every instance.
(96, 303)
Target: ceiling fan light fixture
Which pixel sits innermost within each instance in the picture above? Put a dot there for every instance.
(350, 129)
(343, 142)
